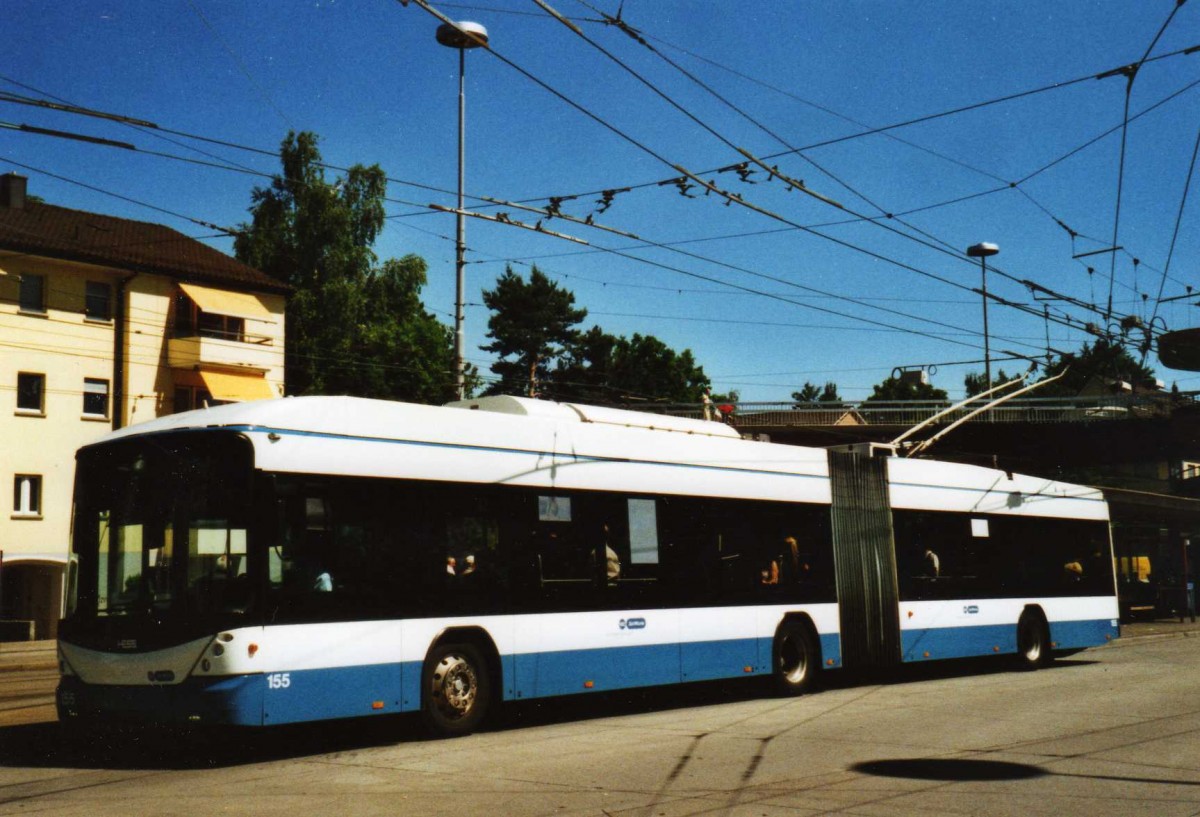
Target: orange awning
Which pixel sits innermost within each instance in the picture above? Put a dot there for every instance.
(225, 302)
(236, 388)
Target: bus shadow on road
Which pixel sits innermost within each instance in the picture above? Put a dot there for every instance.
(545, 712)
(50, 745)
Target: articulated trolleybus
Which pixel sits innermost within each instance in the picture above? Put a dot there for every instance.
(331, 557)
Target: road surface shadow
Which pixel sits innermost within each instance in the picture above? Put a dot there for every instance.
(963, 770)
(51, 745)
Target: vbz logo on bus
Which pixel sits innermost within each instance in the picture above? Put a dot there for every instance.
(632, 624)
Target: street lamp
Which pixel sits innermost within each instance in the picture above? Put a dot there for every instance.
(982, 251)
(461, 35)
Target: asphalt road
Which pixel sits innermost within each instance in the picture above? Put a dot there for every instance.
(1113, 731)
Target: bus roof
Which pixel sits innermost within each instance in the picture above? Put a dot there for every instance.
(368, 417)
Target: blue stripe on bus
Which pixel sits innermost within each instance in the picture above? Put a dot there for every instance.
(965, 642)
(343, 692)
(1069, 635)
(335, 692)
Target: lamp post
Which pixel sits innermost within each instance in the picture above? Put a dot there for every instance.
(982, 251)
(461, 36)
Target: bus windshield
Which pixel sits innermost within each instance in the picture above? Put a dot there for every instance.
(161, 528)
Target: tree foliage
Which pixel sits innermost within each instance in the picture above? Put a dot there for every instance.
(812, 393)
(533, 330)
(1097, 365)
(604, 368)
(354, 326)
(976, 382)
(531, 326)
(895, 388)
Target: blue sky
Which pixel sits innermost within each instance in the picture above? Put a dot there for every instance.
(369, 78)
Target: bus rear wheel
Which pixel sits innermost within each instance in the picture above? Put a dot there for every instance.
(1033, 641)
(456, 688)
(797, 659)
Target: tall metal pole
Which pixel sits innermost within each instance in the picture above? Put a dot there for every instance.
(982, 251)
(987, 343)
(461, 35)
(460, 283)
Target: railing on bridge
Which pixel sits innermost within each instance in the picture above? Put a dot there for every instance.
(906, 413)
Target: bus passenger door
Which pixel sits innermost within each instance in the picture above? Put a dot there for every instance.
(714, 564)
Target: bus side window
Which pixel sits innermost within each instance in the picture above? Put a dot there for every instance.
(918, 563)
(562, 553)
(689, 551)
(472, 556)
(805, 551)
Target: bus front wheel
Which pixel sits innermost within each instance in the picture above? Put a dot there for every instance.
(1033, 641)
(457, 689)
(797, 659)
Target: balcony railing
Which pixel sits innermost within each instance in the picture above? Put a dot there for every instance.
(196, 350)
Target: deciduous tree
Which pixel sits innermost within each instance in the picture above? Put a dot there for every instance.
(353, 326)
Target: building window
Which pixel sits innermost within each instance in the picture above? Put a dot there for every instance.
(95, 397)
(192, 397)
(98, 301)
(191, 321)
(33, 293)
(27, 495)
(31, 392)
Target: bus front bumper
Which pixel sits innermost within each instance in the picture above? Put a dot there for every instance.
(235, 701)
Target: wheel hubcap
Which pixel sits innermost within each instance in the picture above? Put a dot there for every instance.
(793, 660)
(1034, 649)
(454, 686)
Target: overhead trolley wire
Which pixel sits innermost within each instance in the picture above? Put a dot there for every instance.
(156, 129)
(426, 6)
(1130, 73)
(241, 65)
(206, 224)
(945, 247)
(906, 123)
(1175, 234)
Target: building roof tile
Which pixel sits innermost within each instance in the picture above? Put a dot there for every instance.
(59, 232)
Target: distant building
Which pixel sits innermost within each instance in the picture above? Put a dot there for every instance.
(105, 322)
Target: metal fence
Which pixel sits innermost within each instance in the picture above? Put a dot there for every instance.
(910, 412)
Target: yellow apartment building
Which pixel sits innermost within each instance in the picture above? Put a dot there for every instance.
(105, 322)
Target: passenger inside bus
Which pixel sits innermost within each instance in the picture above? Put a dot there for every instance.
(612, 564)
(933, 565)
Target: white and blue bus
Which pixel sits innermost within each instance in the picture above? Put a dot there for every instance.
(331, 557)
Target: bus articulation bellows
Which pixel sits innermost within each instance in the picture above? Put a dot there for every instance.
(333, 557)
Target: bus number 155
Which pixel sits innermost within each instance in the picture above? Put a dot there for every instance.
(279, 680)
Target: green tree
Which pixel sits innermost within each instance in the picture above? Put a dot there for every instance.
(645, 367)
(353, 326)
(812, 393)
(603, 368)
(976, 383)
(585, 373)
(532, 327)
(895, 388)
(1103, 361)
